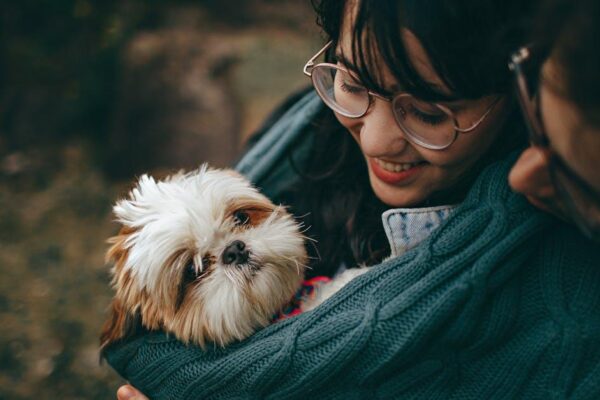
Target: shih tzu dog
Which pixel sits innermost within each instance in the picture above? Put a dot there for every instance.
(203, 256)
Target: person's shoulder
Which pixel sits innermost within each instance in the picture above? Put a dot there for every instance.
(564, 243)
(274, 116)
(568, 269)
(267, 162)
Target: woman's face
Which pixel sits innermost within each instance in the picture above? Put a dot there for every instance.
(403, 174)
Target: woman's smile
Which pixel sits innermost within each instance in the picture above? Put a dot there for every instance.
(396, 173)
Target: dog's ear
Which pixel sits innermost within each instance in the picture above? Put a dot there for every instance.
(132, 210)
(117, 253)
(120, 325)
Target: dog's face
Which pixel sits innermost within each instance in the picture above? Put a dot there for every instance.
(202, 255)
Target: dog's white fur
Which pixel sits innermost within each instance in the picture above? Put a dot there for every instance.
(327, 290)
(189, 220)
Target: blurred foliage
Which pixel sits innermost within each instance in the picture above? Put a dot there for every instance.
(59, 59)
(57, 66)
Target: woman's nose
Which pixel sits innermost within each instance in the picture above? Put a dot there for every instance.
(380, 133)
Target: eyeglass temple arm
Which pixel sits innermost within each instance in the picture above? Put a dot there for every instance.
(310, 63)
(518, 58)
(514, 65)
(480, 120)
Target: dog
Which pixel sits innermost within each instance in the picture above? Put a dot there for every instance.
(203, 256)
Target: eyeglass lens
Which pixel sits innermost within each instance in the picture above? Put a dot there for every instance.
(340, 91)
(424, 122)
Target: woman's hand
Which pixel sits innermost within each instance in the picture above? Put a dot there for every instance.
(128, 392)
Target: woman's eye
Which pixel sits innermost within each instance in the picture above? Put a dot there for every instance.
(352, 89)
(428, 118)
(241, 218)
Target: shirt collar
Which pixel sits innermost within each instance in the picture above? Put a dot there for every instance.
(407, 227)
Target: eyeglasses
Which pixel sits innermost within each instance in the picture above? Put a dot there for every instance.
(429, 125)
(581, 202)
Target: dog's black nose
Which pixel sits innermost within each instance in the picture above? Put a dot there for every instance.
(235, 253)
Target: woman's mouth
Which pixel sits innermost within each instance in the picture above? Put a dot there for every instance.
(394, 173)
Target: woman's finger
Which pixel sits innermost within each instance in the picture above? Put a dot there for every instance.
(128, 392)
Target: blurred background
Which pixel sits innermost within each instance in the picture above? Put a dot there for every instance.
(93, 93)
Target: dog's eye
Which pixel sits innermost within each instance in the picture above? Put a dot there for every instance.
(191, 272)
(241, 217)
(206, 261)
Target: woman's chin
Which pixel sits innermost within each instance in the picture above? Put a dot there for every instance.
(398, 196)
(399, 189)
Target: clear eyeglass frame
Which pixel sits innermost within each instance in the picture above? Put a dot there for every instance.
(400, 113)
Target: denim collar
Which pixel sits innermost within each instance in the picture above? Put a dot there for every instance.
(407, 227)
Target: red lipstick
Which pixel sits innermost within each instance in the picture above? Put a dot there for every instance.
(394, 177)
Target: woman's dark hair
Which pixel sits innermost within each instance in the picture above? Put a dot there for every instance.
(468, 43)
(569, 32)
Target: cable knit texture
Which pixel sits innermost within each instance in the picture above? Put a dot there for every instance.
(500, 302)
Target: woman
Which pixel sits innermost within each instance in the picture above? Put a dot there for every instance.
(560, 172)
(487, 297)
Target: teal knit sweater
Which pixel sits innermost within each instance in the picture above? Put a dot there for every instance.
(500, 302)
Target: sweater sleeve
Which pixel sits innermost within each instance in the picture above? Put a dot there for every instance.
(360, 340)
